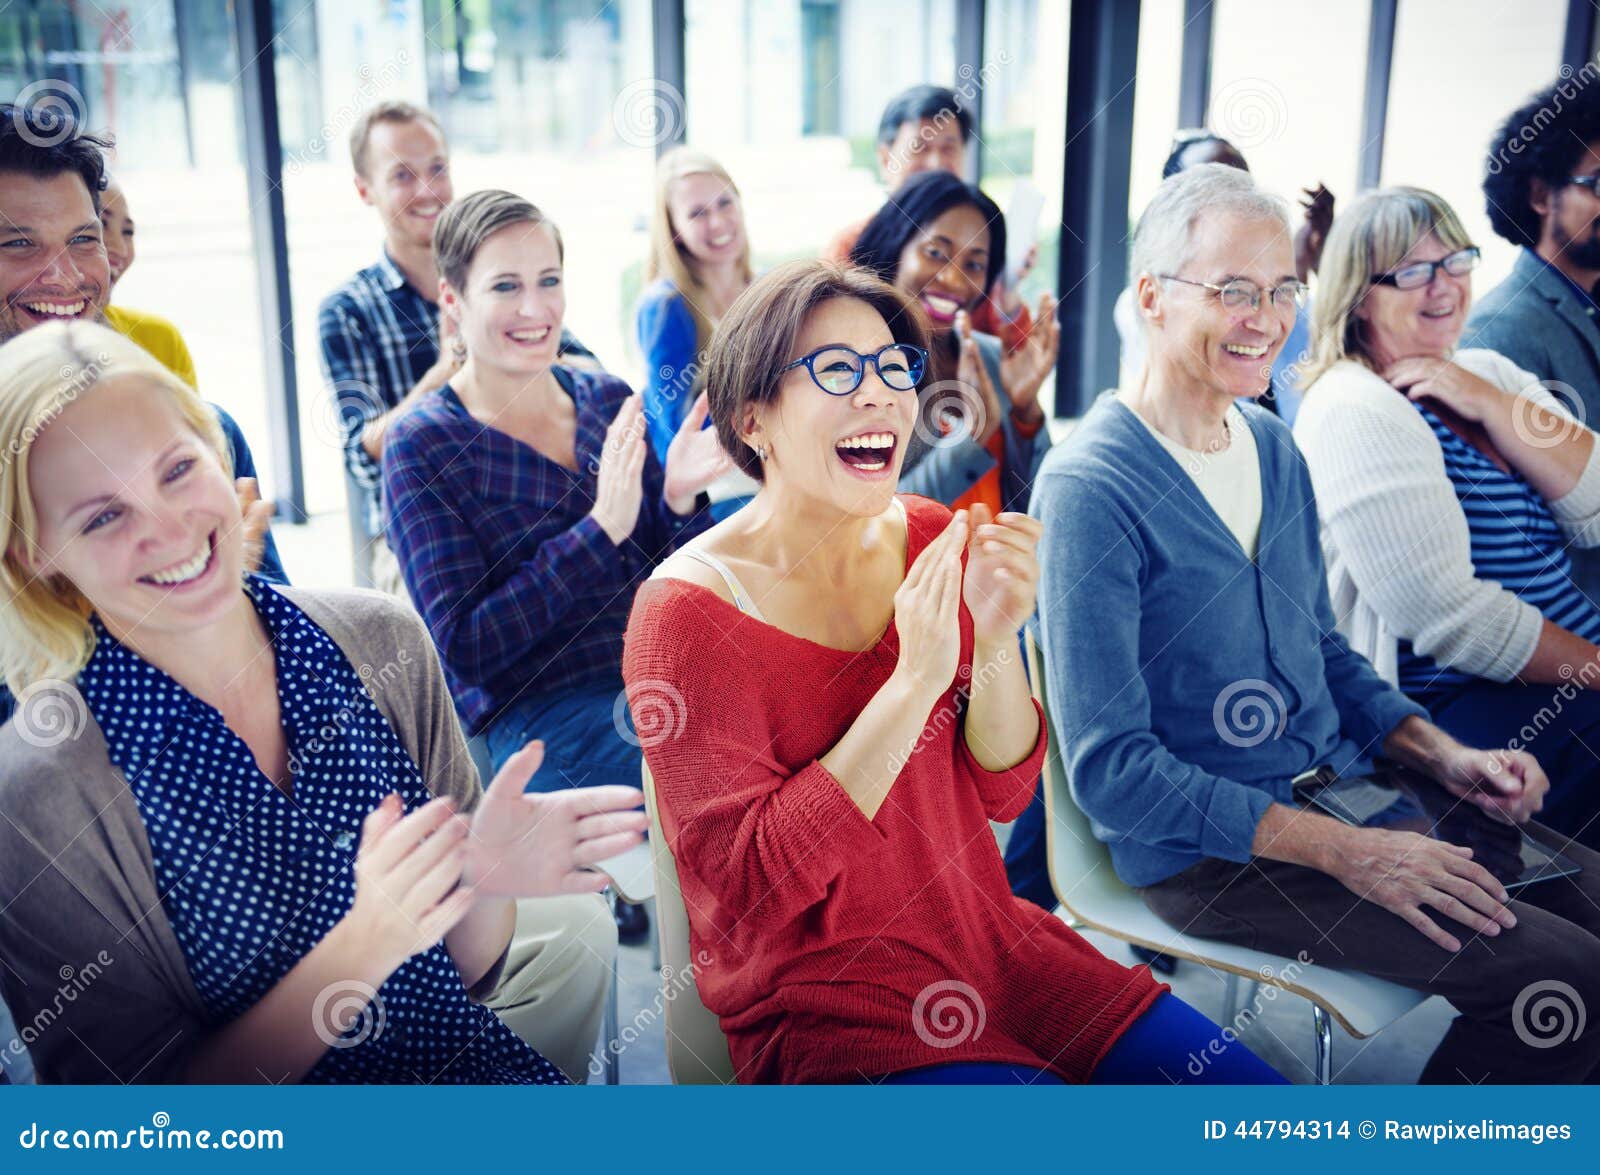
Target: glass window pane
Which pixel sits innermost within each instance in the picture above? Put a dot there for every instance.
(552, 100)
(1293, 108)
(796, 89)
(1440, 55)
(1024, 81)
(1155, 98)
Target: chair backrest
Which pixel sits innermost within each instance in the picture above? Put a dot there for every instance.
(355, 498)
(1080, 866)
(697, 1051)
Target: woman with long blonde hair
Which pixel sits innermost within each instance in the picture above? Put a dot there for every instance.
(248, 804)
(699, 263)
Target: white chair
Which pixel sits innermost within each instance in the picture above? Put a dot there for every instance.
(1092, 895)
(697, 1051)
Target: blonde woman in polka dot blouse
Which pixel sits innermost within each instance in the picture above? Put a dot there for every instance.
(243, 813)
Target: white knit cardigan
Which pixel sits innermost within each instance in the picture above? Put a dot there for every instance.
(1394, 536)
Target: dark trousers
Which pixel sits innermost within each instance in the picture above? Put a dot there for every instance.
(1558, 724)
(1027, 858)
(1520, 994)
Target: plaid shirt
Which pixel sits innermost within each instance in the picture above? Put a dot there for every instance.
(379, 338)
(522, 590)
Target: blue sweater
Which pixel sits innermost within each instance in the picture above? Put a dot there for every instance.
(665, 330)
(1188, 683)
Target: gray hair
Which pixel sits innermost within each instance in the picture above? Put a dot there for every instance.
(1162, 240)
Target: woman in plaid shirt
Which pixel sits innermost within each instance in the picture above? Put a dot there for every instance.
(526, 505)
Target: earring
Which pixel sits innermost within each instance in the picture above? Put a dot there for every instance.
(458, 349)
(761, 452)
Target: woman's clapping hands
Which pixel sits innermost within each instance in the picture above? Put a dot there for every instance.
(1002, 580)
(418, 873)
(999, 587)
(532, 844)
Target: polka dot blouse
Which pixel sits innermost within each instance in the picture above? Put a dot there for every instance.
(252, 878)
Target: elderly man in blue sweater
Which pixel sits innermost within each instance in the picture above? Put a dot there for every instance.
(1195, 671)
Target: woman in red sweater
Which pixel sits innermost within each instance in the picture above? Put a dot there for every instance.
(832, 703)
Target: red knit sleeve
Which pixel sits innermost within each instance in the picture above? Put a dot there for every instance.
(1005, 793)
(764, 841)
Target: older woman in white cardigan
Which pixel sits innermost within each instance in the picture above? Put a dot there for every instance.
(1450, 485)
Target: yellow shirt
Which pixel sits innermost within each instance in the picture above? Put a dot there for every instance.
(158, 336)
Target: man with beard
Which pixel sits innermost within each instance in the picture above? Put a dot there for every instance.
(1539, 184)
(53, 266)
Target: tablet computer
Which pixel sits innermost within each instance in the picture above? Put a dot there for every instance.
(1406, 802)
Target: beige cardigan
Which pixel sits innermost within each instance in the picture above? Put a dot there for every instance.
(89, 965)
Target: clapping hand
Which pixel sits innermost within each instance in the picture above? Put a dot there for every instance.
(255, 516)
(1024, 370)
(695, 458)
(1002, 579)
(526, 845)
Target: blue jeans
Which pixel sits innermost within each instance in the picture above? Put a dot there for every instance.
(1170, 1044)
(1558, 725)
(1027, 855)
(584, 740)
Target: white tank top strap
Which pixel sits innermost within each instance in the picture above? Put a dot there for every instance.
(741, 598)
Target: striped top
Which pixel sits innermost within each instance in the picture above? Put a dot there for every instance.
(1428, 544)
(1516, 542)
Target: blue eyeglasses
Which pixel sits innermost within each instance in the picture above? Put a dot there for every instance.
(838, 370)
